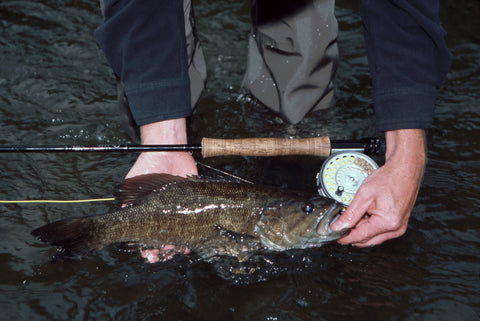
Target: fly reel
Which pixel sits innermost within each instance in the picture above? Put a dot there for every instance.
(342, 174)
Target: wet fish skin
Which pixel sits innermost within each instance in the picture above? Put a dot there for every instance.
(280, 229)
(211, 217)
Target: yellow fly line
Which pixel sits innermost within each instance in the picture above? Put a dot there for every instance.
(58, 201)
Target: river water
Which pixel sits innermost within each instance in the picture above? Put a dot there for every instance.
(55, 88)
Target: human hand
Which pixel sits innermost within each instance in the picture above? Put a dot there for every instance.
(381, 207)
(175, 163)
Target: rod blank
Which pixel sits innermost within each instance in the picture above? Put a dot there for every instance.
(317, 146)
(99, 148)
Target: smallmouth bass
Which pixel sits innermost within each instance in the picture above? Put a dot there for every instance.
(211, 217)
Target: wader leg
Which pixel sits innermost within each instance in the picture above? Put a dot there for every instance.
(197, 69)
(293, 56)
(197, 72)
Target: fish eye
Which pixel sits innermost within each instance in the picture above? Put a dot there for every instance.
(307, 208)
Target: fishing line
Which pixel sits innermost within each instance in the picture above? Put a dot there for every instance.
(225, 173)
(58, 201)
(105, 199)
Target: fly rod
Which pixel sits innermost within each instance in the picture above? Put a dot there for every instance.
(210, 147)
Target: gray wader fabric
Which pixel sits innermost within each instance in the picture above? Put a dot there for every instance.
(292, 59)
(293, 56)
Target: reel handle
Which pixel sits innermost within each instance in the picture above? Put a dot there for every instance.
(317, 146)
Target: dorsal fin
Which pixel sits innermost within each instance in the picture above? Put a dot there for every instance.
(134, 189)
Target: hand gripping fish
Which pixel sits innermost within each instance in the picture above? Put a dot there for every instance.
(212, 217)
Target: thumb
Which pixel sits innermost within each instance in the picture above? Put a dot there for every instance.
(352, 215)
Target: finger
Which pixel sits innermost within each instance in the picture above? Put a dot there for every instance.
(151, 255)
(164, 254)
(363, 231)
(379, 239)
(368, 233)
(352, 215)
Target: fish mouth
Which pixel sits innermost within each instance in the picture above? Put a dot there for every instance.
(323, 227)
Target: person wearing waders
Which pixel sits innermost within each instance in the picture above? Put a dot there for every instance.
(292, 57)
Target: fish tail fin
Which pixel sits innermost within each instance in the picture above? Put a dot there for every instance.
(73, 237)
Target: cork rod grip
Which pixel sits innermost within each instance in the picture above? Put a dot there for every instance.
(317, 146)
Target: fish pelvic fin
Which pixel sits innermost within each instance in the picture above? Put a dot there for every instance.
(73, 237)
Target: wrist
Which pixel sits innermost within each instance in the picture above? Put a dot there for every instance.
(406, 142)
(172, 131)
(407, 149)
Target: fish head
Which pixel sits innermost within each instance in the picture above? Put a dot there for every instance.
(299, 223)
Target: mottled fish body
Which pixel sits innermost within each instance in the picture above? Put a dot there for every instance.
(211, 217)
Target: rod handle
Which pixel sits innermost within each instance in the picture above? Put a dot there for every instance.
(317, 146)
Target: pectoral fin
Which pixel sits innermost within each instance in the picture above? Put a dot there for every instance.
(227, 242)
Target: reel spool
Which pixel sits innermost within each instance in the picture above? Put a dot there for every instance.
(342, 174)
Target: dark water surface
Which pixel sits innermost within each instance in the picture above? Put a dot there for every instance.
(55, 88)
